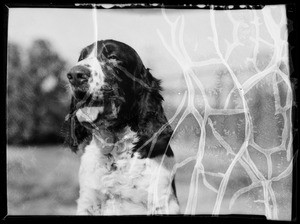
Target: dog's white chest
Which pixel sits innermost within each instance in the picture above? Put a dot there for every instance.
(123, 185)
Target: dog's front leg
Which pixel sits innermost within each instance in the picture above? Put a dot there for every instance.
(91, 171)
(89, 202)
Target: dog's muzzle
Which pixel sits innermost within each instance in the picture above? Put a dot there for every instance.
(97, 102)
(78, 75)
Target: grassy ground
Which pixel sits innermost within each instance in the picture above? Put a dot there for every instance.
(43, 181)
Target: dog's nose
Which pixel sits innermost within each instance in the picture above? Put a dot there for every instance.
(78, 75)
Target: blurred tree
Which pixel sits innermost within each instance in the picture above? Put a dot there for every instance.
(19, 108)
(37, 98)
(46, 68)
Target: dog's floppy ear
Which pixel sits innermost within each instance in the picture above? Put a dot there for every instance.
(150, 99)
(73, 132)
(152, 118)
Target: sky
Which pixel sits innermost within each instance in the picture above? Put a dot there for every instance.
(70, 30)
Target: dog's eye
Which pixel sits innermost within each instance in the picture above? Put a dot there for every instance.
(112, 57)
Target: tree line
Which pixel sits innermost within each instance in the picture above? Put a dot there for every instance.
(37, 95)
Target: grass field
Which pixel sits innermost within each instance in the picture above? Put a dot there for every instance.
(43, 181)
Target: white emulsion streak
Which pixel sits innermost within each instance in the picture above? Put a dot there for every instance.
(177, 49)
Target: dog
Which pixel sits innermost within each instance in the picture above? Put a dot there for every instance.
(117, 120)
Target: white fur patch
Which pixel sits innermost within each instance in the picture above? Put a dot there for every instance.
(119, 184)
(96, 80)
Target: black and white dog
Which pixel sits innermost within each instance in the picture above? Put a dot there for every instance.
(116, 118)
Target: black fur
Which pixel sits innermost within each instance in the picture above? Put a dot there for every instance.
(73, 131)
(150, 120)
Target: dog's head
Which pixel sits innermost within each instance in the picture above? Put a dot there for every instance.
(111, 88)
